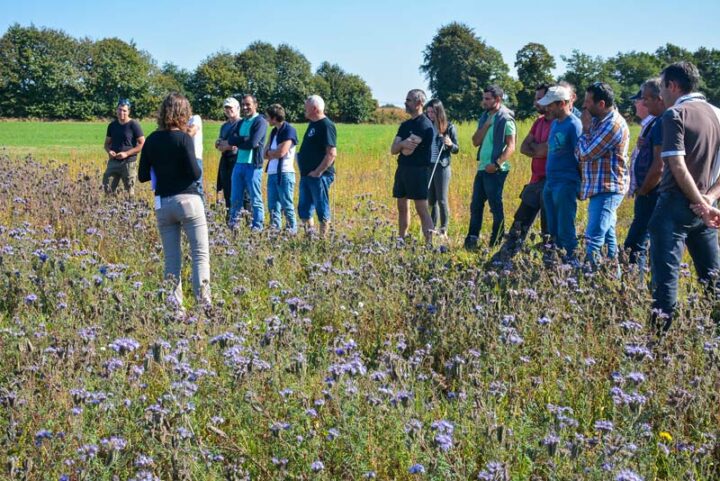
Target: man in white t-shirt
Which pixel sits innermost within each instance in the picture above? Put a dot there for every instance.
(280, 152)
(195, 131)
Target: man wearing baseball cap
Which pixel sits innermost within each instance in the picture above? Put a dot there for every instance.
(562, 178)
(231, 108)
(645, 171)
(123, 141)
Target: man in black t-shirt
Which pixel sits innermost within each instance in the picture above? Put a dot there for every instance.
(316, 160)
(414, 144)
(123, 141)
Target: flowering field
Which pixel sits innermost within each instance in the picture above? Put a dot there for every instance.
(359, 357)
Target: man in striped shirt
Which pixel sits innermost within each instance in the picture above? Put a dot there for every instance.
(602, 151)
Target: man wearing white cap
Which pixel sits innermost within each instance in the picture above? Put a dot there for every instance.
(228, 157)
(562, 177)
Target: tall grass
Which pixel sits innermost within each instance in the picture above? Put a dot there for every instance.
(365, 167)
(358, 357)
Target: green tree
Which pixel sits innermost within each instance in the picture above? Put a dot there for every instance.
(534, 66)
(670, 53)
(294, 81)
(258, 62)
(630, 70)
(40, 74)
(583, 70)
(347, 97)
(216, 78)
(459, 65)
(117, 69)
(708, 63)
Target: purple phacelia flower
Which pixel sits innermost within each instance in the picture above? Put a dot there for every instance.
(604, 426)
(416, 469)
(317, 466)
(124, 345)
(628, 475)
(113, 443)
(42, 435)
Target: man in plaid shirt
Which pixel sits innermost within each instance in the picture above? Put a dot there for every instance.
(602, 151)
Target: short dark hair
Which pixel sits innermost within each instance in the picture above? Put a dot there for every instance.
(251, 96)
(602, 91)
(495, 90)
(276, 112)
(684, 74)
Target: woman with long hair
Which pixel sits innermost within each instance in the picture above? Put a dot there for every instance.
(445, 139)
(170, 154)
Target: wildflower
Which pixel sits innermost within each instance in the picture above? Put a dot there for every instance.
(42, 435)
(113, 443)
(636, 377)
(144, 476)
(333, 433)
(444, 442)
(87, 451)
(143, 461)
(628, 475)
(544, 321)
(416, 469)
(494, 471)
(123, 345)
(665, 436)
(317, 466)
(605, 426)
(30, 298)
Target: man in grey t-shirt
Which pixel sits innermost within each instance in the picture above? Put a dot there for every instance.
(691, 147)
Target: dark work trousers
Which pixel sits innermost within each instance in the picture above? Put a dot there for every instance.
(487, 188)
(531, 204)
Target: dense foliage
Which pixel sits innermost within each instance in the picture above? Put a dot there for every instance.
(458, 65)
(45, 73)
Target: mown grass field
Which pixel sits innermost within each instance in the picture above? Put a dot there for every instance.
(355, 357)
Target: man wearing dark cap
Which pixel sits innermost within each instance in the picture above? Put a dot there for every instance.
(123, 141)
(645, 170)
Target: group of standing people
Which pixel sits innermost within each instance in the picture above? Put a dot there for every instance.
(673, 174)
(171, 159)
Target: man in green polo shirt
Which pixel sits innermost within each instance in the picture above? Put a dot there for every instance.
(495, 136)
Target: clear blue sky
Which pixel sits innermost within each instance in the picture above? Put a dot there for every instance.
(382, 41)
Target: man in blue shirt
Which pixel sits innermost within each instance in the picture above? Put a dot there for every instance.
(562, 177)
(646, 170)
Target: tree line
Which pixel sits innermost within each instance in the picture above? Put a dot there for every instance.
(46, 73)
(458, 65)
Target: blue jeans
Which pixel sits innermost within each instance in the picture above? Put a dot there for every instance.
(280, 199)
(638, 236)
(315, 196)
(247, 177)
(487, 188)
(200, 180)
(600, 230)
(560, 199)
(673, 226)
